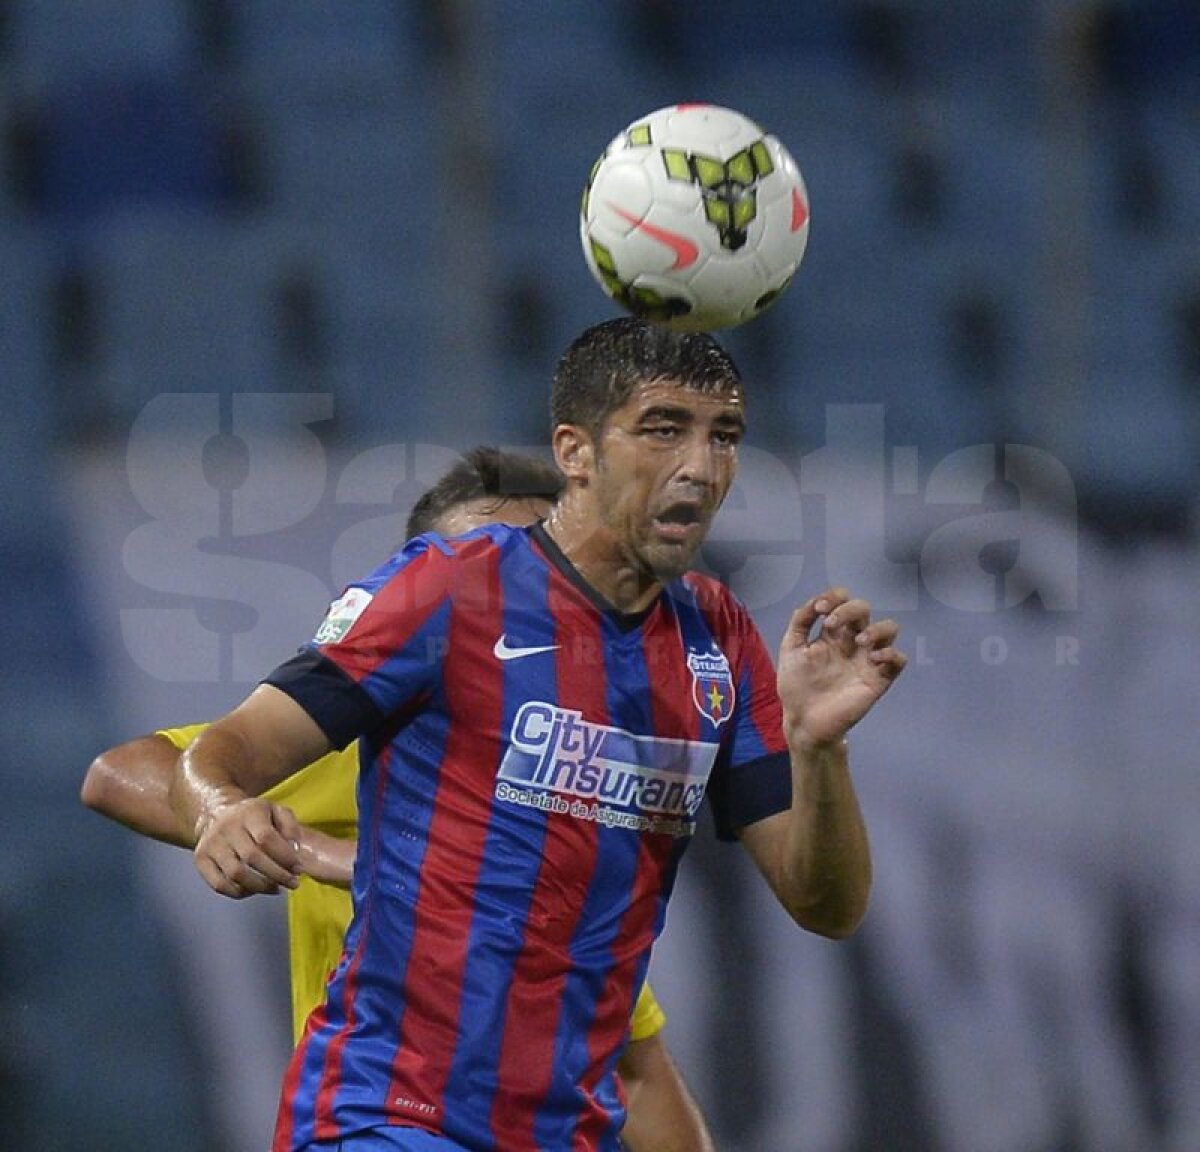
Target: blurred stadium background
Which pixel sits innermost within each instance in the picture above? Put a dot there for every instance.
(267, 263)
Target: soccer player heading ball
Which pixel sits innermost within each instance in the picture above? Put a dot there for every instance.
(541, 711)
(129, 783)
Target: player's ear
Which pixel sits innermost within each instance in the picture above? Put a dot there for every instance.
(573, 451)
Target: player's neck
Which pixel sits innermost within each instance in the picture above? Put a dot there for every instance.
(597, 556)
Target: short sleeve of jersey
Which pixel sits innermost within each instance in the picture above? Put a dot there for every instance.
(753, 777)
(374, 654)
(648, 1017)
(181, 737)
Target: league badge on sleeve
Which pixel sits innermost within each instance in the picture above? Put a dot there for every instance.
(347, 608)
(712, 685)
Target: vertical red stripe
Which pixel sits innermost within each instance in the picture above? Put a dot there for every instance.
(760, 685)
(615, 1007)
(331, 1075)
(397, 609)
(457, 832)
(754, 675)
(527, 1049)
(284, 1127)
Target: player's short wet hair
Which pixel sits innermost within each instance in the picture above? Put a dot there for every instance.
(482, 473)
(602, 367)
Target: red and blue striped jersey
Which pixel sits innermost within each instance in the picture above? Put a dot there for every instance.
(532, 767)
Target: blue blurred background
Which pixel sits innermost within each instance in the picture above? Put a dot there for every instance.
(266, 264)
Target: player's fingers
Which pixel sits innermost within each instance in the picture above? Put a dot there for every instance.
(251, 882)
(253, 873)
(844, 623)
(285, 822)
(800, 626)
(254, 857)
(831, 598)
(267, 841)
(878, 634)
(890, 661)
(805, 617)
(217, 879)
(851, 616)
(272, 856)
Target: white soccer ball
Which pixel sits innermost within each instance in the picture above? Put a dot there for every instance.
(694, 217)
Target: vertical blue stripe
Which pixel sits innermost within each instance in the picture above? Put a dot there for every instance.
(488, 974)
(392, 843)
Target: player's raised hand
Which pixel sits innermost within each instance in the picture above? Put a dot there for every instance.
(249, 846)
(834, 664)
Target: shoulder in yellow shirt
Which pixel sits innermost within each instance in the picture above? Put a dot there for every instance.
(648, 1016)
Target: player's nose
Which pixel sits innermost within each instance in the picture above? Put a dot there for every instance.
(698, 463)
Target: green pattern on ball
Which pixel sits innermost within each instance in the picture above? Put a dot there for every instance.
(643, 302)
(727, 186)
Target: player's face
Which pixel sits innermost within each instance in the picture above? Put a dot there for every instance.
(665, 461)
(470, 514)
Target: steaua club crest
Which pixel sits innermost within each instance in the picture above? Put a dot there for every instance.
(712, 685)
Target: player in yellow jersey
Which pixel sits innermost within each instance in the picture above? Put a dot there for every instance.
(129, 784)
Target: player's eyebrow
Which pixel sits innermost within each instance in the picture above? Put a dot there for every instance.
(679, 413)
(730, 420)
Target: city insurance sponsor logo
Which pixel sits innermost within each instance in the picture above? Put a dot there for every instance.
(559, 762)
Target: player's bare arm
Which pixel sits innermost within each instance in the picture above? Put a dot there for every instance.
(245, 844)
(662, 1115)
(130, 782)
(834, 664)
(327, 859)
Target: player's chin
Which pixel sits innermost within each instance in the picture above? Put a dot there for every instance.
(670, 559)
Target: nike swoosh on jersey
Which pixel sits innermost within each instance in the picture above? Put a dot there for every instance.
(502, 651)
(686, 253)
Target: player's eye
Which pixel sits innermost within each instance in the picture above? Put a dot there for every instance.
(662, 431)
(727, 437)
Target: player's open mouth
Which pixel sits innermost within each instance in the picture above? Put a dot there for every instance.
(680, 523)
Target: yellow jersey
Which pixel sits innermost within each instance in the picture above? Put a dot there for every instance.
(322, 797)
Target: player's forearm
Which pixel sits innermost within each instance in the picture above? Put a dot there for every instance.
(211, 773)
(824, 877)
(265, 739)
(130, 784)
(327, 858)
(661, 1114)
